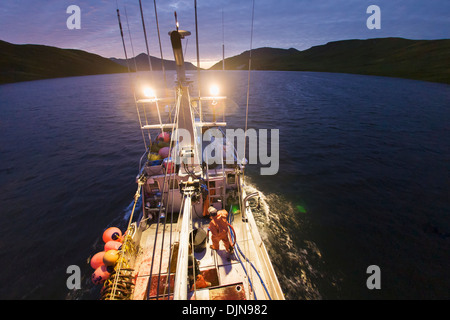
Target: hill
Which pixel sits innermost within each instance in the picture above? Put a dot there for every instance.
(142, 63)
(32, 62)
(394, 57)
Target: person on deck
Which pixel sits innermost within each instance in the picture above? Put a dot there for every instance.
(219, 229)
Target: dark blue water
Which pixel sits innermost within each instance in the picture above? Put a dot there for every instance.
(363, 180)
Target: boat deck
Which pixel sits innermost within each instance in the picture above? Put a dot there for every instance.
(223, 270)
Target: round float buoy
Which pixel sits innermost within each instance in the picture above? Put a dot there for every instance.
(100, 275)
(97, 260)
(153, 156)
(113, 234)
(164, 152)
(110, 257)
(112, 245)
(163, 136)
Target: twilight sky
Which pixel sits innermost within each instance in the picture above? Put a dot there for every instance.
(300, 24)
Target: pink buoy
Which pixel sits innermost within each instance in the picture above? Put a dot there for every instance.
(97, 260)
(100, 275)
(164, 152)
(164, 136)
(113, 234)
(112, 245)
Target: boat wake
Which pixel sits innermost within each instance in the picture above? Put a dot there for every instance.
(284, 232)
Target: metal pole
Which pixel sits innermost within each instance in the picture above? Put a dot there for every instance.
(181, 276)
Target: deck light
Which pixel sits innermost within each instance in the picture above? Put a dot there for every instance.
(214, 90)
(149, 93)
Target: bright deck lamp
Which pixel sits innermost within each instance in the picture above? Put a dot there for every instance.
(149, 93)
(214, 90)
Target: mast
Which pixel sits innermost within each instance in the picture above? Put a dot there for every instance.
(175, 39)
(189, 151)
(189, 161)
(189, 189)
(181, 275)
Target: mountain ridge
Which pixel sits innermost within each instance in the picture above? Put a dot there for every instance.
(426, 60)
(26, 62)
(141, 61)
(394, 57)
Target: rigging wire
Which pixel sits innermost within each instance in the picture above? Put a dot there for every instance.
(148, 56)
(131, 40)
(129, 73)
(248, 81)
(175, 128)
(223, 45)
(246, 118)
(145, 37)
(160, 211)
(117, 275)
(171, 179)
(160, 47)
(136, 69)
(198, 63)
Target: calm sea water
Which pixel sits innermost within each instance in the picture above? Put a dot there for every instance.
(363, 180)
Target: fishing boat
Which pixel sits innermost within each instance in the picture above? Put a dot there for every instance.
(167, 252)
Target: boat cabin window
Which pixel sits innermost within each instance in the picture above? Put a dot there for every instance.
(231, 178)
(153, 186)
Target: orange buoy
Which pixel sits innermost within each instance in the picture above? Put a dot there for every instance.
(100, 275)
(112, 245)
(110, 257)
(97, 260)
(112, 234)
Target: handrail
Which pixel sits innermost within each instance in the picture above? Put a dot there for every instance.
(140, 161)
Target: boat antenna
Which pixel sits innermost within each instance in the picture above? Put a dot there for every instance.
(198, 63)
(176, 20)
(248, 81)
(145, 37)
